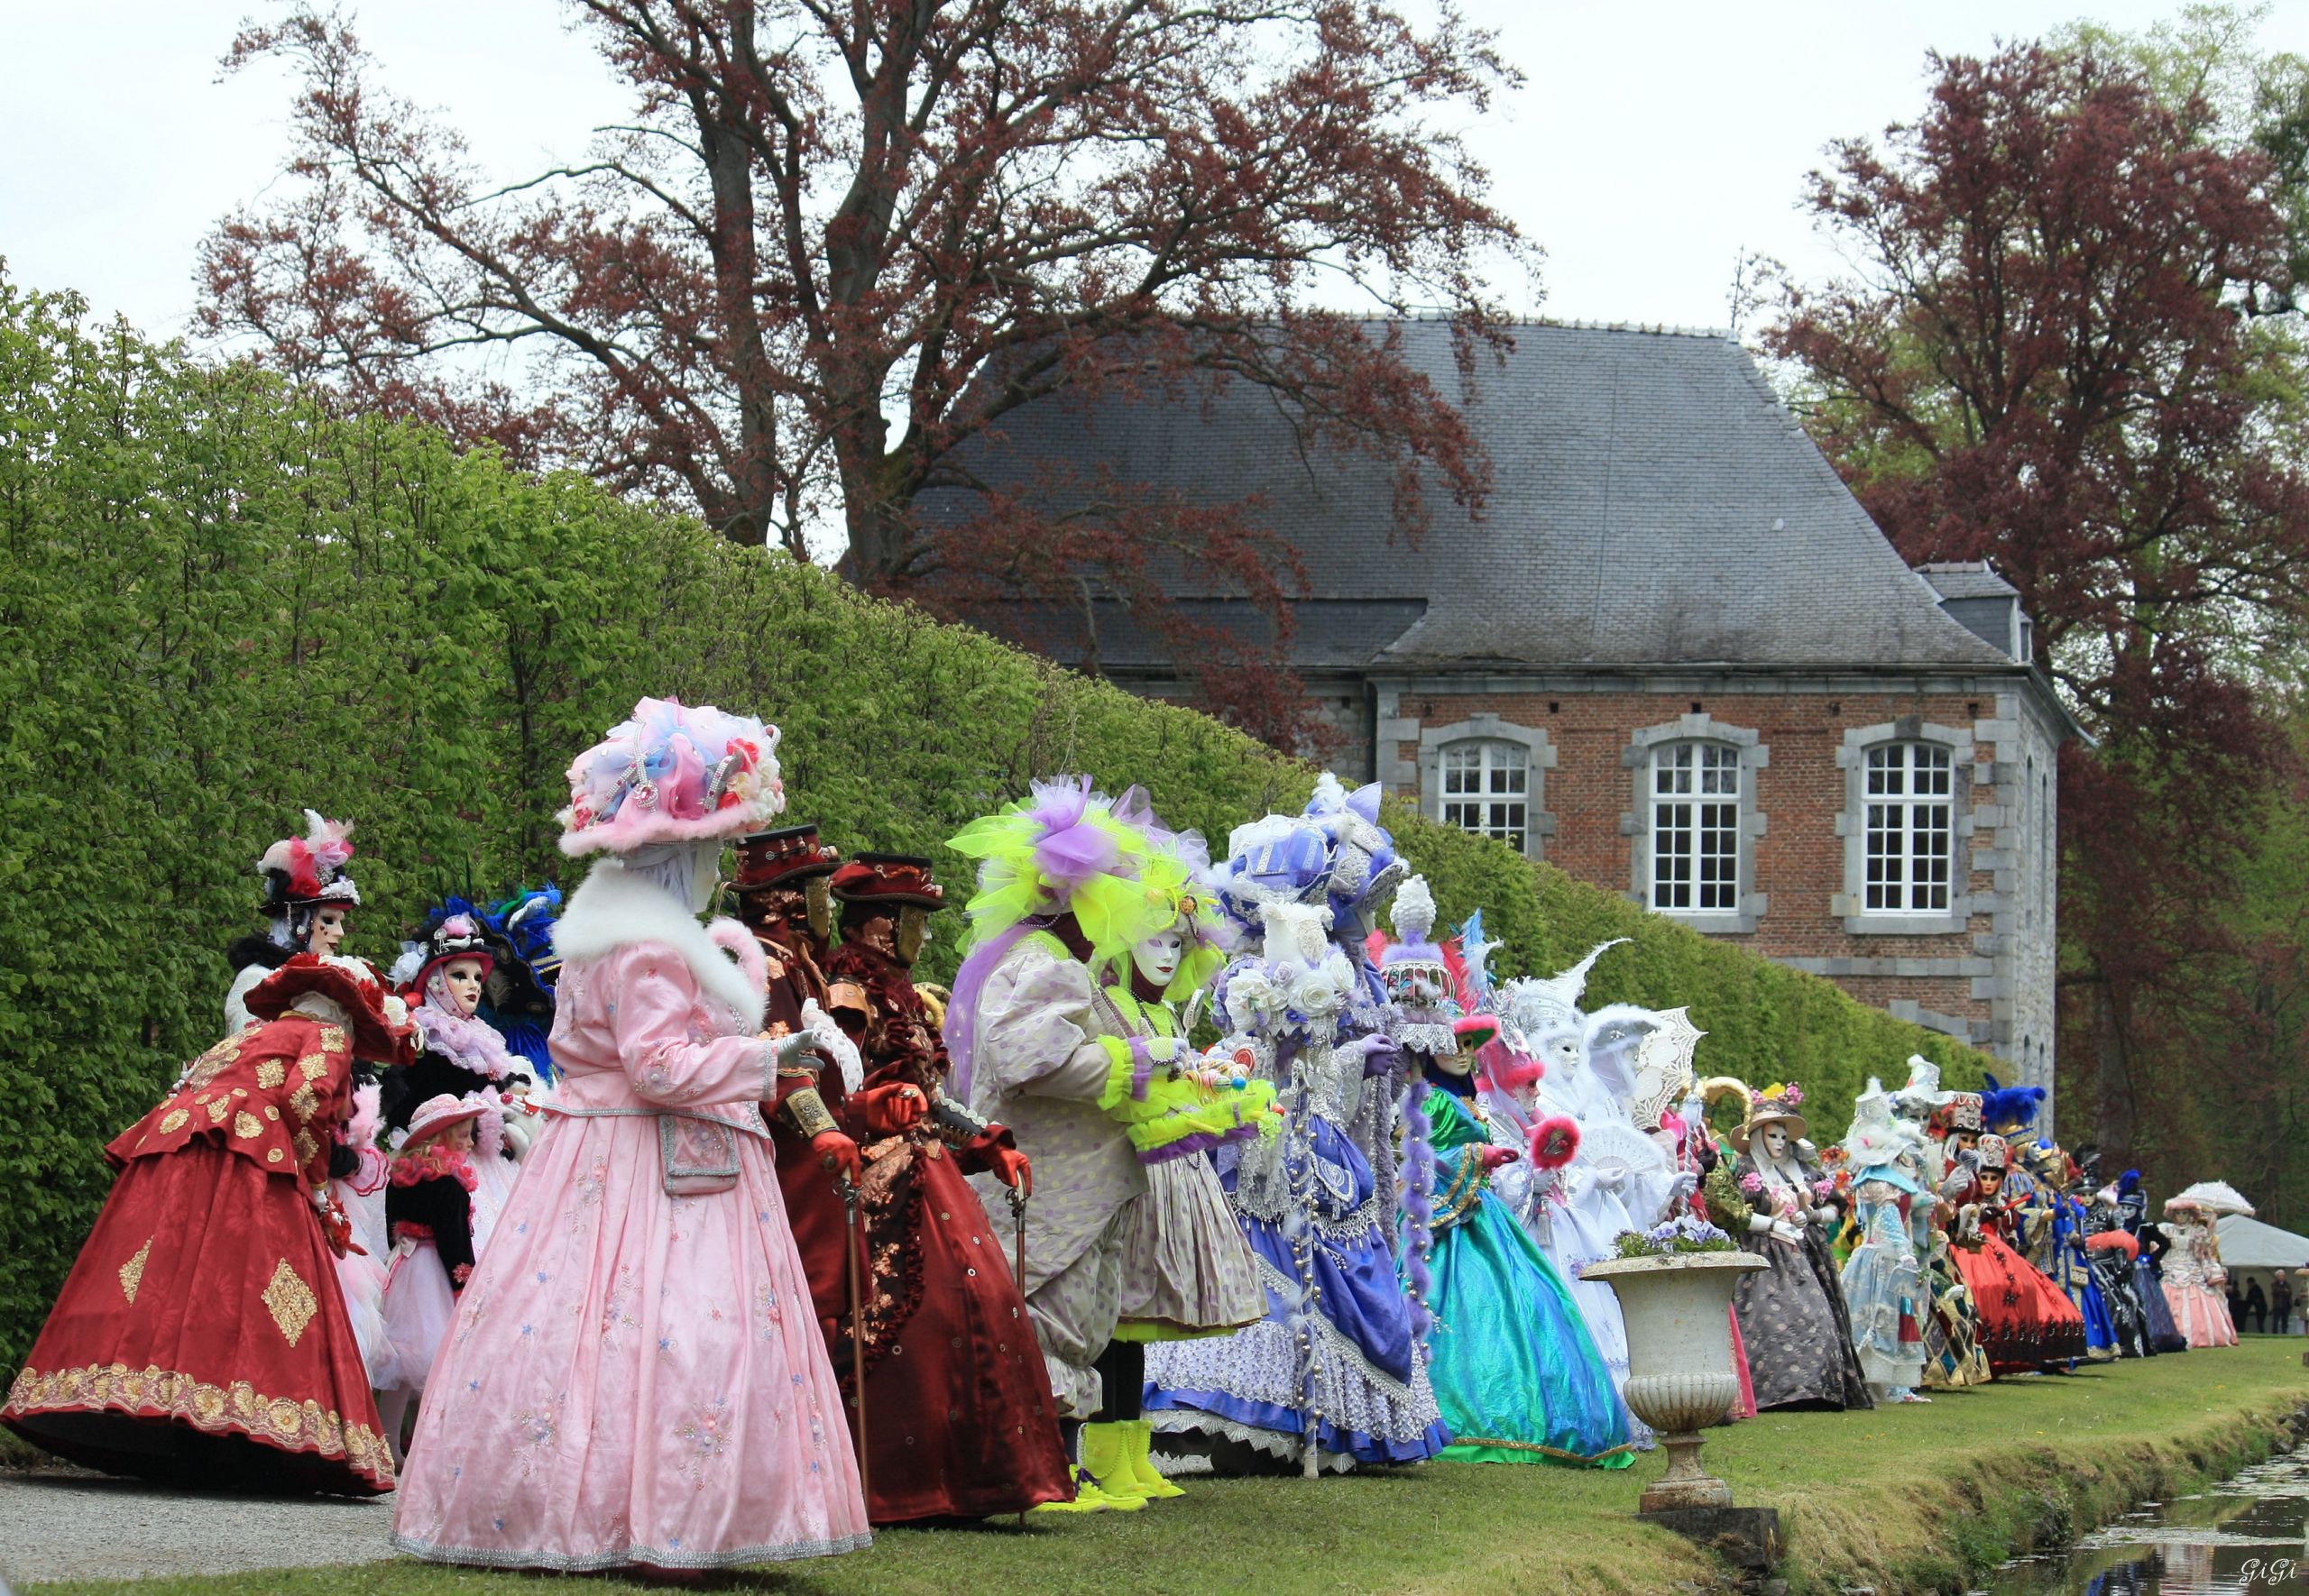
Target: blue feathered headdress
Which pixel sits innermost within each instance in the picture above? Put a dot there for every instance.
(2009, 1109)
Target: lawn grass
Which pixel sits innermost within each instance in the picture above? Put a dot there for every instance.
(1905, 1499)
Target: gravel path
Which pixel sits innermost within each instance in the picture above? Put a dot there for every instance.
(76, 1526)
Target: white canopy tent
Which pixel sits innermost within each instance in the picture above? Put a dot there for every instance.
(2248, 1243)
(2252, 1250)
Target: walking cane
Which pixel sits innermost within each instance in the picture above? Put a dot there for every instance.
(1019, 1214)
(850, 1198)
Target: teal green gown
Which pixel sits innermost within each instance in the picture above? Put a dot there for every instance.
(1515, 1372)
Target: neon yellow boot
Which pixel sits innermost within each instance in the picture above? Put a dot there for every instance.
(1089, 1498)
(1106, 1455)
(1151, 1480)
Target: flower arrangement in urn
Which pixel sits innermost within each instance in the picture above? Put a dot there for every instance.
(1686, 1233)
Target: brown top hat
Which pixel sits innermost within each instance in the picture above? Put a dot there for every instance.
(897, 879)
(787, 855)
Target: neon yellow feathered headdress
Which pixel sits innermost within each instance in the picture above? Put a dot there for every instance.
(1063, 850)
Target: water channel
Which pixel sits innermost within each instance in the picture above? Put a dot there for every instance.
(2246, 1534)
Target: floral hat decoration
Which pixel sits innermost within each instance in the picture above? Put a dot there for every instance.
(312, 868)
(1777, 1104)
(673, 773)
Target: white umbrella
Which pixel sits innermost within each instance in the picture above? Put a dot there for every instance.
(2213, 1196)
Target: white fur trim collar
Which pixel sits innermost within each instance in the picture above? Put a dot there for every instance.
(613, 910)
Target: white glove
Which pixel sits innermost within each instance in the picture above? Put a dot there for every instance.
(1791, 1233)
(834, 1044)
(1611, 1179)
(1824, 1214)
(1682, 1186)
(1760, 1223)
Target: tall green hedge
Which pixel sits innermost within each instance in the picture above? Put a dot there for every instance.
(217, 605)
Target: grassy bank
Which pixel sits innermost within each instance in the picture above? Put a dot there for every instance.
(1908, 1499)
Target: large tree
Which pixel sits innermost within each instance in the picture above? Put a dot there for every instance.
(2048, 356)
(838, 240)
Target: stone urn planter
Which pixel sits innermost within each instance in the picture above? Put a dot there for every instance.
(1682, 1378)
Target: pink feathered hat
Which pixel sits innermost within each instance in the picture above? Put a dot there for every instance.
(672, 774)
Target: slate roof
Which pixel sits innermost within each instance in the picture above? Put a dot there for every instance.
(1652, 504)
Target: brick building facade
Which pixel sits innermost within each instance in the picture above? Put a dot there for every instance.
(1672, 656)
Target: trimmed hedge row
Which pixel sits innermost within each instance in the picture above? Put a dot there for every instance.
(217, 605)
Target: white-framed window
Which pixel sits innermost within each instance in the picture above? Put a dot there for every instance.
(1484, 786)
(1910, 829)
(1695, 828)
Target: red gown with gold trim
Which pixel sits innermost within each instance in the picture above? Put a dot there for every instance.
(2026, 1320)
(201, 1337)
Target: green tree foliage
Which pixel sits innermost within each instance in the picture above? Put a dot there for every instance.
(218, 605)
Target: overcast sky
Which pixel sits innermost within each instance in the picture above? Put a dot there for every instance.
(1651, 144)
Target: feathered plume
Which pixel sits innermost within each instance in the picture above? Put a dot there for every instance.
(309, 861)
(1555, 1142)
(368, 1116)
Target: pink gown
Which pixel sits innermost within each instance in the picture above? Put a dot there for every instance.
(633, 1376)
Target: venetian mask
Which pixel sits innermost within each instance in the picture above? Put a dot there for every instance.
(913, 934)
(1457, 1063)
(1157, 959)
(461, 984)
(328, 932)
(1774, 1138)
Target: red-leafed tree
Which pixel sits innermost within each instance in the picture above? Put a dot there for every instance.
(836, 243)
(2048, 356)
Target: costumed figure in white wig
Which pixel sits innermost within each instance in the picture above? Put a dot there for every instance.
(1619, 1179)
(1884, 1285)
(1953, 1358)
(1515, 1371)
(1336, 1372)
(634, 1363)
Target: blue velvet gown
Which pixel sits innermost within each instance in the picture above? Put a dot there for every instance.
(1516, 1371)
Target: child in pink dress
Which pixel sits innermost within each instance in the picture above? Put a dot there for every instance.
(635, 1374)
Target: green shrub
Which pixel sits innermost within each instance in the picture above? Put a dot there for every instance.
(218, 605)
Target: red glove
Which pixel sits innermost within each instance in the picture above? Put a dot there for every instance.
(1491, 1156)
(891, 1109)
(838, 1153)
(336, 1229)
(1009, 1166)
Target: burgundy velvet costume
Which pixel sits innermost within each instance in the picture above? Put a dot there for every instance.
(958, 1419)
